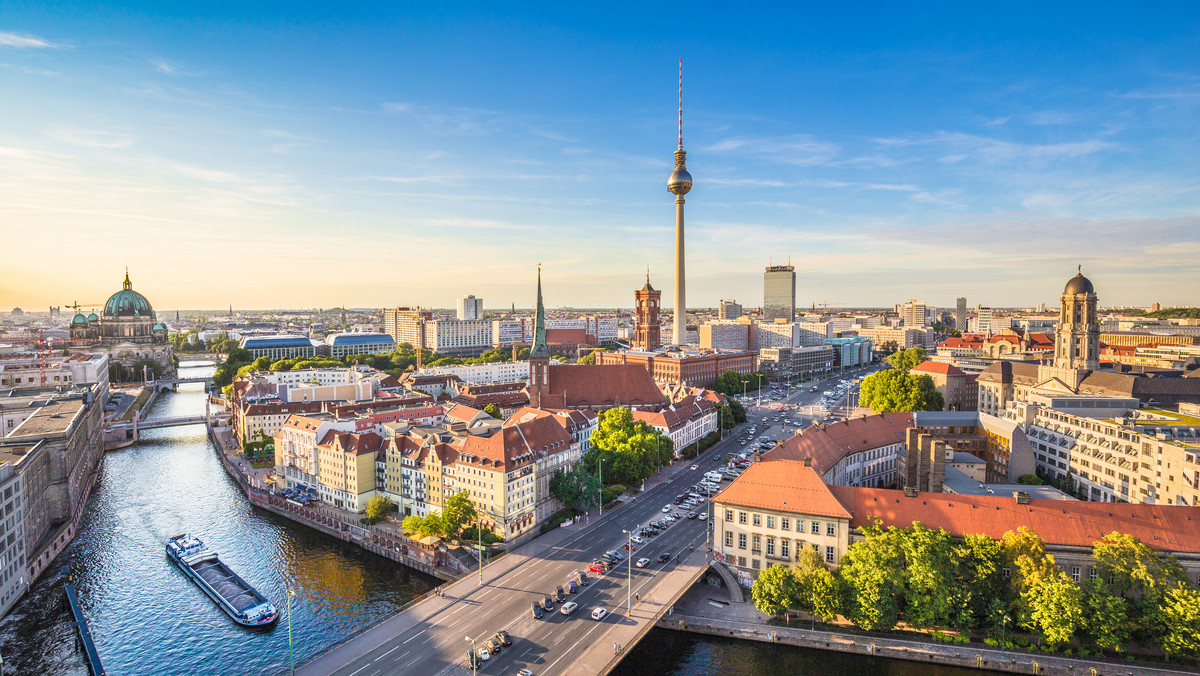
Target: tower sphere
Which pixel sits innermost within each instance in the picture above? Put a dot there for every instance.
(680, 182)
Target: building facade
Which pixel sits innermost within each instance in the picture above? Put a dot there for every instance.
(127, 331)
(688, 367)
(647, 334)
(345, 344)
(470, 308)
(281, 347)
(960, 315)
(729, 309)
(779, 293)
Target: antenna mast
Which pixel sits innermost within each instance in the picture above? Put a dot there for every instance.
(681, 104)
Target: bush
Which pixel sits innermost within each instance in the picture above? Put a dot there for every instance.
(612, 492)
(556, 520)
(991, 642)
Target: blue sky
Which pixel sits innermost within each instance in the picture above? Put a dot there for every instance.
(308, 155)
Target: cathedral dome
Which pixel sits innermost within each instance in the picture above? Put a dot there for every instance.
(93, 317)
(79, 319)
(1079, 284)
(128, 303)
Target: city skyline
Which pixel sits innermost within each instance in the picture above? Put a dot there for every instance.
(888, 152)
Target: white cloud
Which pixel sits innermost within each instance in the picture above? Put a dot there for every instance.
(92, 138)
(798, 149)
(211, 175)
(17, 40)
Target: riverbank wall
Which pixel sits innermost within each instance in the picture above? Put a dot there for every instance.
(410, 553)
(1002, 661)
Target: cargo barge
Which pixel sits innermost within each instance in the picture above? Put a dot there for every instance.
(238, 599)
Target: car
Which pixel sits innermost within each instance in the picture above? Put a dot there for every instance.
(584, 580)
(560, 594)
(484, 654)
(599, 613)
(572, 587)
(548, 603)
(695, 467)
(703, 516)
(642, 562)
(664, 557)
(492, 646)
(568, 607)
(524, 672)
(595, 568)
(537, 611)
(692, 515)
(671, 518)
(666, 508)
(502, 638)
(636, 539)
(472, 660)
(615, 554)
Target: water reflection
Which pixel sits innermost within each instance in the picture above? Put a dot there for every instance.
(147, 617)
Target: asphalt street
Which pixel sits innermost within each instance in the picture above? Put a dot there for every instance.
(433, 636)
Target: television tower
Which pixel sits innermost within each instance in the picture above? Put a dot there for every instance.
(679, 184)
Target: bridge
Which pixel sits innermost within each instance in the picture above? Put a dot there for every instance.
(172, 384)
(155, 423)
(433, 634)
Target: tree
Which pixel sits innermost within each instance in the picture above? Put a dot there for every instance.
(589, 358)
(117, 372)
(1049, 601)
(727, 421)
(775, 590)
(893, 390)
(1031, 479)
(378, 508)
(729, 382)
(630, 450)
(983, 564)
(575, 487)
(817, 590)
(887, 347)
(935, 593)
(905, 360)
(873, 573)
(137, 372)
(1106, 617)
(458, 511)
(420, 527)
(739, 411)
(1181, 610)
(1139, 574)
(493, 410)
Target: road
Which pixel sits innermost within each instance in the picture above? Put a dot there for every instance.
(433, 636)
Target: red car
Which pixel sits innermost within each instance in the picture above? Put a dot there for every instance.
(596, 568)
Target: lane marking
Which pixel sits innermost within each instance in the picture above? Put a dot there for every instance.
(394, 649)
(359, 669)
(415, 635)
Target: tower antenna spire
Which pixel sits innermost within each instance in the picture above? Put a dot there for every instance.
(681, 104)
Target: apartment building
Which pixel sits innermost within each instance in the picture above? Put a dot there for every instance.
(26, 370)
(789, 363)
(296, 446)
(483, 374)
(904, 337)
(729, 309)
(1109, 450)
(727, 335)
(346, 468)
(345, 344)
(912, 313)
(684, 422)
(282, 346)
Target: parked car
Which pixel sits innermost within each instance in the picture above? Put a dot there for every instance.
(595, 568)
(667, 508)
(568, 607)
(583, 579)
(548, 603)
(484, 654)
(599, 613)
(636, 540)
(472, 660)
(492, 646)
(537, 611)
(642, 562)
(572, 587)
(502, 638)
(559, 594)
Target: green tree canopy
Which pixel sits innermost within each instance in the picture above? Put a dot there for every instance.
(873, 573)
(493, 410)
(458, 511)
(905, 360)
(892, 390)
(419, 527)
(575, 487)
(630, 450)
(378, 508)
(775, 590)
(1181, 613)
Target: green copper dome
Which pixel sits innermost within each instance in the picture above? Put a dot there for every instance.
(79, 319)
(93, 317)
(128, 303)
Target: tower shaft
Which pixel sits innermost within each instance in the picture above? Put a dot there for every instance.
(680, 332)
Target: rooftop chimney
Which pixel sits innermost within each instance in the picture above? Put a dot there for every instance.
(910, 491)
(1022, 497)
(808, 461)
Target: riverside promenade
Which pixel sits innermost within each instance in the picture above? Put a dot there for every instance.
(704, 610)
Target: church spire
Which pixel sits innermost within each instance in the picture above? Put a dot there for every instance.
(539, 325)
(128, 284)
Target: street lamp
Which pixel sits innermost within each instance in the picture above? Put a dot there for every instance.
(475, 660)
(600, 499)
(291, 650)
(629, 576)
(1003, 638)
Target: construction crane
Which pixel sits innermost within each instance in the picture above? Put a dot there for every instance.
(825, 303)
(76, 305)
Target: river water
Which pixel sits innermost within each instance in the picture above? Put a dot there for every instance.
(147, 618)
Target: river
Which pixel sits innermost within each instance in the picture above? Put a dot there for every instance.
(147, 618)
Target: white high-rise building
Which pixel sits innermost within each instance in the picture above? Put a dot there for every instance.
(470, 308)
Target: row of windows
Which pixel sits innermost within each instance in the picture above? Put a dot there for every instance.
(784, 523)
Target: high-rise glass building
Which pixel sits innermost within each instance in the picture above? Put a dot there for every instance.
(960, 315)
(779, 293)
(470, 307)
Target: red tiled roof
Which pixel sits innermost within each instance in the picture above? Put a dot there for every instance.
(939, 368)
(1057, 522)
(601, 386)
(515, 445)
(351, 443)
(568, 337)
(782, 486)
(828, 444)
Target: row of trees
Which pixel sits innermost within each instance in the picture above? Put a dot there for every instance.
(929, 579)
(896, 389)
(732, 382)
(457, 513)
(117, 372)
(190, 342)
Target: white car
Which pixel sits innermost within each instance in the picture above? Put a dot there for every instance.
(568, 607)
(703, 516)
(642, 563)
(637, 540)
(666, 509)
(484, 654)
(671, 517)
(599, 614)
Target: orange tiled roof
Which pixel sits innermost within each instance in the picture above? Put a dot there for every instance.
(1057, 522)
(828, 444)
(941, 368)
(783, 486)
